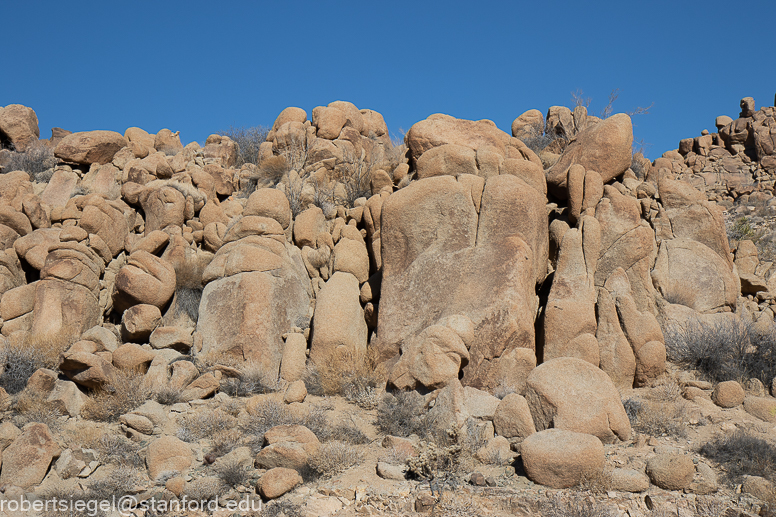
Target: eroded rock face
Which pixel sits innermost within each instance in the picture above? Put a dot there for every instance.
(89, 147)
(19, 126)
(443, 257)
(256, 290)
(571, 394)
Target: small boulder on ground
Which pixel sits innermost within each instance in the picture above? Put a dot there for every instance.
(168, 453)
(27, 459)
(562, 459)
(728, 394)
(277, 482)
(671, 471)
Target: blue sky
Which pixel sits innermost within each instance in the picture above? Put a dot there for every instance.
(199, 67)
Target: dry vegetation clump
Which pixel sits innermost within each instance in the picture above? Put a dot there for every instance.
(20, 359)
(232, 474)
(402, 414)
(248, 140)
(724, 351)
(168, 395)
(32, 407)
(194, 427)
(205, 489)
(225, 442)
(575, 504)
(252, 381)
(38, 161)
(118, 450)
(334, 457)
(657, 417)
(358, 380)
(124, 393)
(120, 481)
(740, 454)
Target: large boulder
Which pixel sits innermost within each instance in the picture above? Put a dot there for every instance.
(339, 329)
(145, 279)
(561, 459)
(570, 393)
(442, 257)
(604, 147)
(168, 454)
(671, 471)
(18, 126)
(27, 459)
(689, 273)
(256, 290)
(89, 147)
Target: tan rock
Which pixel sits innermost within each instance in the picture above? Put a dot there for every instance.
(89, 370)
(604, 147)
(351, 256)
(448, 159)
(616, 355)
(278, 481)
(168, 142)
(292, 367)
(728, 394)
(339, 330)
(177, 338)
(146, 279)
(27, 459)
(561, 459)
(308, 226)
(629, 480)
(66, 398)
(296, 392)
(671, 471)
(513, 417)
(163, 206)
(204, 386)
(90, 147)
(530, 123)
(287, 446)
(431, 359)
(131, 355)
(139, 321)
(269, 202)
(166, 454)
(570, 393)
(19, 126)
(329, 122)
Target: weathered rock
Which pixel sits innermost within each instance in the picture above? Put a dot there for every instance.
(728, 394)
(671, 471)
(629, 480)
(389, 471)
(763, 408)
(350, 256)
(562, 459)
(19, 126)
(168, 142)
(131, 355)
(339, 330)
(89, 147)
(483, 267)
(513, 417)
(27, 459)
(89, 370)
(616, 356)
(292, 366)
(296, 392)
(569, 393)
(177, 338)
(604, 147)
(139, 321)
(166, 454)
(66, 398)
(146, 279)
(287, 446)
(269, 202)
(278, 481)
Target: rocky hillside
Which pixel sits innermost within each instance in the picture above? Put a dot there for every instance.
(322, 297)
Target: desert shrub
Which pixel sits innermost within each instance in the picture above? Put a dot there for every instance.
(124, 393)
(265, 416)
(296, 151)
(355, 174)
(402, 414)
(168, 395)
(118, 450)
(248, 140)
(538, 141)
(343, 431)
(574, 505)
(358, 380)
(196, 426)
(225, 442)
(252, 381)
(657, 418)
(441, 462)
(18, 362)
(334, 457)
(742, 229)
(742, 454)
(38, 161)
(205, 489)
(727, 350)
(187, 301)
(279, 508)
(666, 390)
(232, 474)
(33, 407)
(119, 482)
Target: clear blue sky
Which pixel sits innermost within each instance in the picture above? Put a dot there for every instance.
(199, 67)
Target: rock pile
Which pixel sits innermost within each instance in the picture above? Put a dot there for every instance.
(462, 263)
